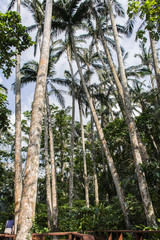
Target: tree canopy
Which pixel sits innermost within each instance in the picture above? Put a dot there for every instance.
(149, 12)
(14, 39)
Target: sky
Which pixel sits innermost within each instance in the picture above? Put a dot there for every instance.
(28, 91)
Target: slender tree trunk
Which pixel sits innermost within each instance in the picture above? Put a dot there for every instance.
(155, 145)
(18, 161)
(107, 52)
(155, 62)
(151, 76)
(96, 188)
(84, 157)
(143, 187)
(53, 171)
(61, 157)
(47, 171)
(72, 135)
(28, 202)
(102, 138)
(106, 49)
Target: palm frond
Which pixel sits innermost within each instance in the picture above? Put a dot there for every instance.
(11, 5)
(61, 81)
(58, 95)
(119, 9)
(81, 13)
(3, 89)
(129, 26)
(73, 5)
(32, 27)
(59, 11)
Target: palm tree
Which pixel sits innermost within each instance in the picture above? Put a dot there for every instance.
(18, 161)
(29, 74)
(67, 47)
(152, 45)
(79, 95)
(147, 202)
(155, 61)
(66, 17)
(28, 201)
(47, 170)
(146, 60)
(37, 9)
(88, 58)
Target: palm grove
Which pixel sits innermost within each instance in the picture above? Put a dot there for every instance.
(99, 175)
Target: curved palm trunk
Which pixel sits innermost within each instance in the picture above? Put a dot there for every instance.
(53, 171)
(84, 157)
(143, 187)
(102, 138)
(18, 161)
(105, 46)
(120, 101)
(28, 202)
(47, 171)
(96, 188)
(72, 135)
(151, 76)
(155, 62)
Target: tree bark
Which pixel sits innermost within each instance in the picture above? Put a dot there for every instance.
(84, 157)
(53, 171)
(72, 135)
(143, 187)
(28, 202)
(18, 161)
(102, 138)
(96, 188)
(155, 62)
(47, 170)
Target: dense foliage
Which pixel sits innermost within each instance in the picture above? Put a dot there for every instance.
(4, 113)
(108, 214)
(14, 39)
(89, 162)
(149, 12)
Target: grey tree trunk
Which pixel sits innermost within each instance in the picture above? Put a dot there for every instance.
(106, 49)
(47, 170)
(155, 62)
(53, 171)
(96, 188)
(84, 157)
(119, 89)
(18, 161)
(143, 187)
(118, 85)
(28, 202)
(72, 135)
(112, 168)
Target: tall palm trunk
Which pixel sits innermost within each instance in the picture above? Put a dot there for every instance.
(28, 202)
(18, 161)
(119, 89)
(96, 188)
(47, 170)
(117, 82)
(113, 170)
(143, 187)
(155, 62)
(53, 170)
(107, 52)
(72, 134)
(84, 157)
